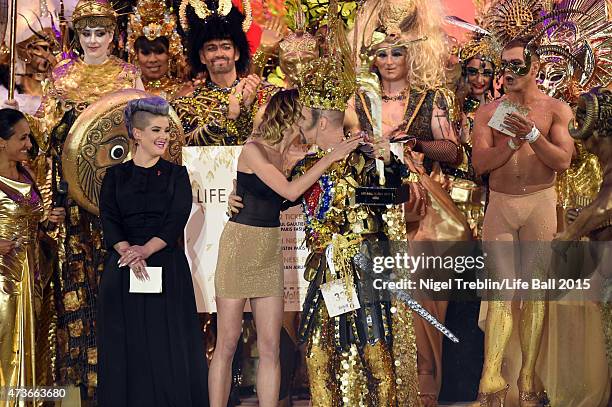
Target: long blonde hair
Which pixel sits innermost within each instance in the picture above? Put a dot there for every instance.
(426, 59)
(283, 111)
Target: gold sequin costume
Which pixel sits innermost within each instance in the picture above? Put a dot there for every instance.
(73, 87)
(469, 190)
(165, 87)
(365, 357)
(204, 115)
(20, 276)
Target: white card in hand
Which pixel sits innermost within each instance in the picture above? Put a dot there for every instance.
(505, 108)
(153, 285)
(336, 299)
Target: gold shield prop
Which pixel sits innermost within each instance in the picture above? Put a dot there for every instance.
(98, 139)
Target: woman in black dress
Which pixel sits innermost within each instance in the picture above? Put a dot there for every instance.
(150, 347)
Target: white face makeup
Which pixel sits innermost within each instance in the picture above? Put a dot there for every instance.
(95, 43)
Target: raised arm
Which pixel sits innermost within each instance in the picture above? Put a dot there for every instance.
(486, 156)
(255, 159)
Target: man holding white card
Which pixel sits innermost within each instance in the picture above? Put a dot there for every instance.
(522, 141)
(150, 346)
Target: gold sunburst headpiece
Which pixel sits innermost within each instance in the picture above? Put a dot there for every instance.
(329, 81)
(151, 19)
(509, 19)
(94, 13)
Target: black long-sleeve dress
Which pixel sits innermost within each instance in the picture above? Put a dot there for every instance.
(150, 347)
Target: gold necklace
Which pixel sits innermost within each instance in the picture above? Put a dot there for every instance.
(400, 96)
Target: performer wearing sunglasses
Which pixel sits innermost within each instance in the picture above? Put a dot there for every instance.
(479, 59)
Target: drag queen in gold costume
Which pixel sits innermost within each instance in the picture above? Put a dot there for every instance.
(365, 357)
(408, 50)
(75, 84)
(21, 233)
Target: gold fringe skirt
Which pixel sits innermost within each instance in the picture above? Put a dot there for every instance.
(250, 262)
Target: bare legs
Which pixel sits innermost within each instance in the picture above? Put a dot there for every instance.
(268, 313)
(229, 326)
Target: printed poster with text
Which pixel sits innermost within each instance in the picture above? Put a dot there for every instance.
(212, 171)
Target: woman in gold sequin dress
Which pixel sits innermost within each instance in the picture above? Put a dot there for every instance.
(21, 211)
(76, 83)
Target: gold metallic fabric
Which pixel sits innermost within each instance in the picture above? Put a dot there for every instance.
(75, 85)
(579, 184)
(165, 87)
(19, 287)
(250, 262)
(405, 355)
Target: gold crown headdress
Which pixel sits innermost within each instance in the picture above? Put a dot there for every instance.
(329, 81)
(151, 19)
(94, 13)
(223, 9)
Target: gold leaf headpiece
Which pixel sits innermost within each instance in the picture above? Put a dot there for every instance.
(93, 9)
(395, 14)
(484, 47)
(329, 81)
(152, 20)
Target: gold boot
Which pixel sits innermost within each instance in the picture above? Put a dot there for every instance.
(533, 399)
(494, 399)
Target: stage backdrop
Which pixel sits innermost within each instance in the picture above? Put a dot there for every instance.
(212, 171)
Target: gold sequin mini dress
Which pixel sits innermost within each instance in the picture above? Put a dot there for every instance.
(250, 261)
